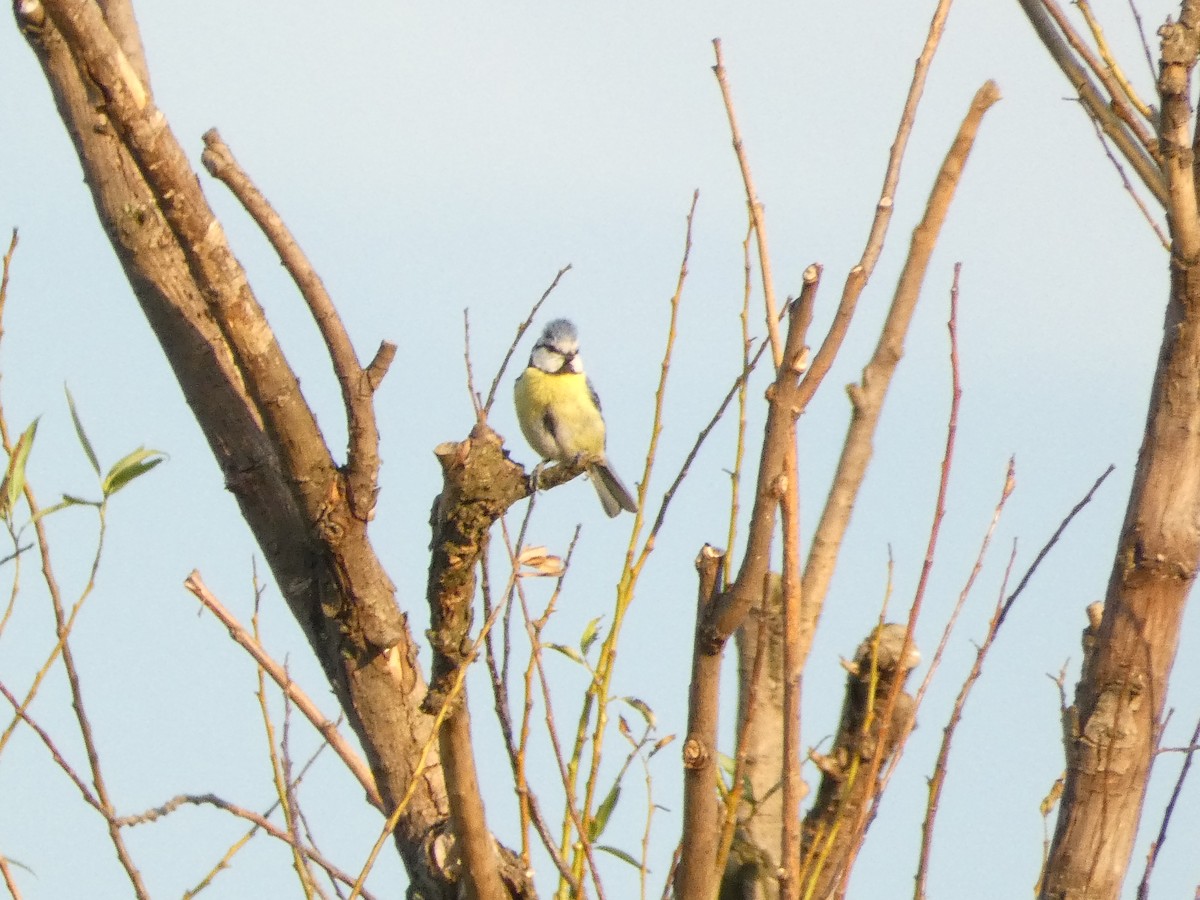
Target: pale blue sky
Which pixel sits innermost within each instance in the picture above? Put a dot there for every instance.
(431, 159)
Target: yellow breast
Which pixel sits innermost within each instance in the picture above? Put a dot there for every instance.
(558, 416)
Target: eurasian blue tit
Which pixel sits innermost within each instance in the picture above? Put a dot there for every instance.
(560, 416)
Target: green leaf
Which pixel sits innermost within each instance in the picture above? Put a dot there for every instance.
(603, 812)
(569, 652)
(589, 635)
(619, 854)
(80, 433)
(726, 763)
(643, 709)
(13, 484)
(129, 467)
(659, 744)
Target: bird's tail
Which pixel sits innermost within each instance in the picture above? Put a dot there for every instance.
(614, 496)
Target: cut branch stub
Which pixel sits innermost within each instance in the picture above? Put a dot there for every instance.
(480, 483)
(830, 831)
(696, 876)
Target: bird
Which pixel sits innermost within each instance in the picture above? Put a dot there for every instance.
(559, 413)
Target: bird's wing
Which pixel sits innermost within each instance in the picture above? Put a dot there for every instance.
(592, 391)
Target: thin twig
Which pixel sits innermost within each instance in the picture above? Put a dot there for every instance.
(756, 211)
(891, 178)
(868, 395)
(1119, 92)
(1143, 891)
(1125, 183)
(1003, 606)
(735, 390)
(597, 696)
(226, 859)
(328, 729)
(1113, 67)
(1095, 103)
(1141, 30)
(7, 264)
(521, 329)
(826, 541)
(739, 448)
(14, 589)
(249, 815)
(1042, 554)
(565, 768)
(895, 742)
(63, 624)
(1006, 491)
(9, 881)
(55, 754)
(656, 427)
(651, 806)
(357, 388)
(940, 767)
(475, 401)
(278, 774)
(530, 808)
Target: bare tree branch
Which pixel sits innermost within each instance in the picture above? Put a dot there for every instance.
(249, 815)
(362, 461)
(247, 402)
(696, 874)
(328, 730)
(756, 211)
(1141, 161)
(1143, 891)
(867, 397)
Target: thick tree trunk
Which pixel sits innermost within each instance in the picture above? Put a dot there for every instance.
(1121, 693)
(246, 400)
(1120, 697)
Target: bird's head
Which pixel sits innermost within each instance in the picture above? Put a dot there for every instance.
(557, 350)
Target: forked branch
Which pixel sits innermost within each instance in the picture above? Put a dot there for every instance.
(357, 384)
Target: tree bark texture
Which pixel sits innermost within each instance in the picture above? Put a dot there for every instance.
(761, 745)
(834, 826)
(245, 398)
(479, 483)
(1122, 690)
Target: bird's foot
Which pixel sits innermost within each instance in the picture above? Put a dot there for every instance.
(535, 477)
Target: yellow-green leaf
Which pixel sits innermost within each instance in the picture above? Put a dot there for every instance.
(603, 812)
(129, 467)
(568, 652)
(619, 854)
(14, 476)
(80, 433)
(589, 635)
